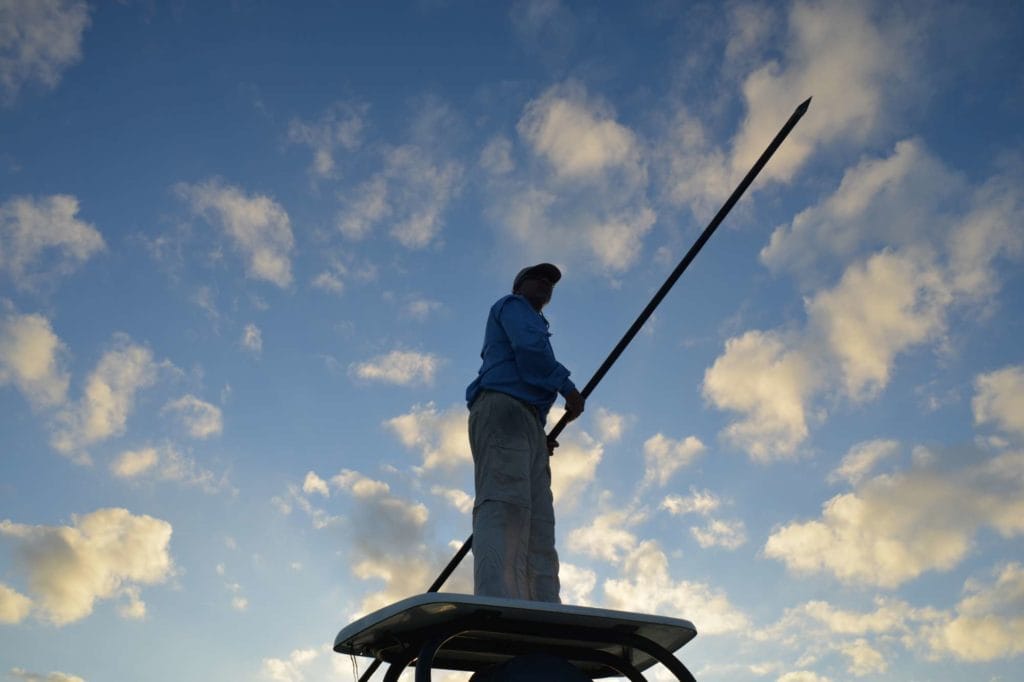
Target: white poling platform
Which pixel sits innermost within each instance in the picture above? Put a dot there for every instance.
(465, 632)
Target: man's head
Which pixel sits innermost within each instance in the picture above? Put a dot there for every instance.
(536, 283)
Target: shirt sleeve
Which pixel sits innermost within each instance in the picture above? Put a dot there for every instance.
(535, 360)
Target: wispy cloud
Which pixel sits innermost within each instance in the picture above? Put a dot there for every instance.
(108, 398)
(200, 418)
(43, 239)
(42, 39)
(862, 458)
(403, 368)
(252, 339)
(258, 227)
(341, 126)
(999, 399)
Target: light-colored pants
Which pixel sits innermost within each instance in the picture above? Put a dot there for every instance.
(513, 517)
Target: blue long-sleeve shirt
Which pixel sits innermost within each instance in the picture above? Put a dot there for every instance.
(517, 357)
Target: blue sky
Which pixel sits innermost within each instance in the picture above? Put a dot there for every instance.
(246, 254)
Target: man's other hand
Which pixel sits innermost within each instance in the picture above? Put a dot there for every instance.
(574, 404)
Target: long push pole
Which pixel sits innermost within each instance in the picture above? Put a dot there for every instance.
(643, 317)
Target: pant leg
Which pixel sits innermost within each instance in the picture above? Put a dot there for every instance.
(542, 563)
(499, 437)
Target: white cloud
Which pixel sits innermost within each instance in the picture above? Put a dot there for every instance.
(291, 669)
(166, 463)
(645, 585)
(664, 456)
(359, 485)
(329, 281)
(766, 378)
(32, 358)
(802, 676)
(412, 190)
(55, 676)
(718, 533)
(441, 437)
(199, 417)
(252, 339)
(403, 368)
(108, 398)
(893, 528)
(580, 139)
(607, 537)
(39, 41)
(101, 555)
(999, 399)
(879, 309)
(43, 239)
(315, 484)
(457, 498)
(134, 463)
(989, 623)
(861, 459)
(421, 308)
(699, 502)
(574, 464)
(340, 126)
(885, 304)
(610, 426)
(854, 66)
(577, 584)
(864, 658)
(589, 188)
(14, 606)
(258, 227)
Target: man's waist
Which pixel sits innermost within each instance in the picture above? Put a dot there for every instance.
(525, 403)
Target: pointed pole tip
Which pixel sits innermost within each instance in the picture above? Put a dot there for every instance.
(806, 103)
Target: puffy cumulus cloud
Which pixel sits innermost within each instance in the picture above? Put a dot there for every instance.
(895, 201)
(56, 676)
(989, 623)
(607, 537)
(719, 533)
(864, 659)
(403, 368)
(40, 39)
(108, 398)
(358, 485)
(252, 339)
(768, 379)
(14, 606)
(32, 358)
(107, 553)
(574, 465)
(701, 502)
(588, 189)
(258, 227)
(999, 399)
(412, 192)
(664, 456)
(893, 528)
(579, 138)
(441, 437)
(379, 523)
(41, 239)
(646, 585)
(885, 304)
(291, 669)
(854, 64)
(314, 484)
(861, 459)
(200, 418)
(879, 309)
(577, 584)
(341, 126)
(167, 463)
(457, 498)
